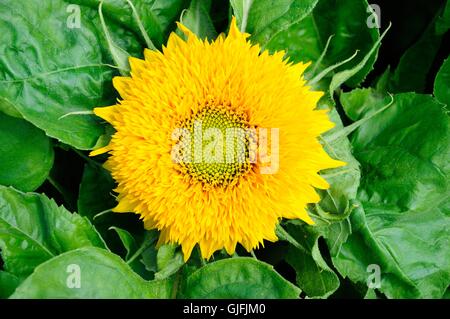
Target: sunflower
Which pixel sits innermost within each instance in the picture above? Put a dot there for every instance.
(215, 142)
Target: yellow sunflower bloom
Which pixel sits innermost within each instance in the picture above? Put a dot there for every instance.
(215, 142)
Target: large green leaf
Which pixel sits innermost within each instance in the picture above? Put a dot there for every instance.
(264, 19)
(442, 83)
(238, 278)
(89, 273)
(403, 223)
(26, 154)
(388, 145)
(411, 249)
(307, 40)
(49, 67)
(34, 229)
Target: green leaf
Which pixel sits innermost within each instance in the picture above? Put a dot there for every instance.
(344, 181)
(168, 261)
(34, 229)
(101, 275)
(119, 55)
(307, 40)
(26, 154)
(264, 19)
(410, 248)
(96, 200)
(240, 278)
(8, 283)
(198, 20)
(355, 103)
(165, 255)
(382, 82)
(412, 71)
(342, 77)
(149, 259)
(157, 16)
(139, 258)
(336, 233)
(8, 108)
(442, 83)
(336, 204)
(403, 222)
(443, 22)
(96, 189)
(127, 240)
(59, 68)
(314, 276)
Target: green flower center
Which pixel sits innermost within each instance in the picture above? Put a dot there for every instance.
(215, 146)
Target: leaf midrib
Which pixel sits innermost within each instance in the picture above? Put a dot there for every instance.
(41, 74)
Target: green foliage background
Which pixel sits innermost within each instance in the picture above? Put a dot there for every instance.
(388, 91)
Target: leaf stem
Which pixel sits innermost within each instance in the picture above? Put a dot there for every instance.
(119, 55)
(352, 127)
(60, 189)
(145, 244)
(322, 74)
(104, 212)
(322, 56)
(245, 12)
(86, 158)
(144, 33)
(176, 284)
(341, 77)
(76, 113)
